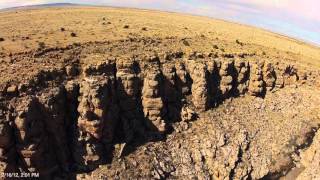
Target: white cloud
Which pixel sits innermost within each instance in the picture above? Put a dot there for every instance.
(14, 3)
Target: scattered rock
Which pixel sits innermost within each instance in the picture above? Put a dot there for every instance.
(188, 114)
(238, 42)
(12, 89)
(186, 43)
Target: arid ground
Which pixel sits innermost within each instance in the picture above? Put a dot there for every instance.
(114, 93)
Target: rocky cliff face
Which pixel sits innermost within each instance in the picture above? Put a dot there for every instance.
(69, 118)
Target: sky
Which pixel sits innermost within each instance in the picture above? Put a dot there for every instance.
(296, 18)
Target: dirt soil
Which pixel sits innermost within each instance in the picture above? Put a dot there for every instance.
(111, 93)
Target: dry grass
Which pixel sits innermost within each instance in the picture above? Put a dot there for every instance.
(103, 24)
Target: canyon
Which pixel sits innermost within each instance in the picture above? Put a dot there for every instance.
(160, 107)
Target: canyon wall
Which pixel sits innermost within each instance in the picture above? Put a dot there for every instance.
(69, 119)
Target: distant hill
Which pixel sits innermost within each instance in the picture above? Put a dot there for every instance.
(40, 6)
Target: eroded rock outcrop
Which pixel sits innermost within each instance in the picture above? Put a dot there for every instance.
(54, 107)
(7, 144)
(214, 78)
(227, 74)
(129, 93)
(290, 75)
(243, 71)
(98, 113)
(231, 160)
(172, 92)
(32, 138)
(310, 160)
(199, 74)
(183, 79)
(269, 76)
(153, 106)
(73, 116)
(256, 84)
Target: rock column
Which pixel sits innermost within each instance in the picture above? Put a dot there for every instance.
(152, 103)
(243, 71)
(129, 96)
(98, 113)
(198, 73)
(171, 94)
(269, 76)
(256, 84)
(226, 82)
